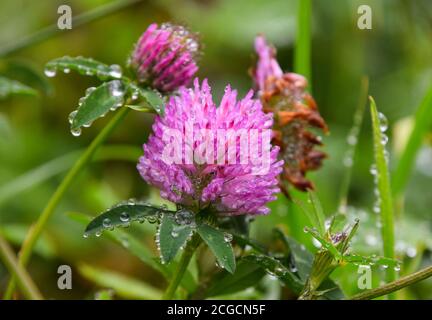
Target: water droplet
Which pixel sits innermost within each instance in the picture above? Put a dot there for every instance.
(397, 268)
(371, 240)
(352, 140)
(106, 223)
(384, 139)
(98, 234)
(348, 161)
(383, 122)
(135, 95)
(50, 72)
(228, 237)
(115, 71)
(72, 116)
(152, 219)
(124, 217)
(316, 243)
(116, 88)
(377, 207)
(86, 235)
(174, 234)
(125, 242)
(373, 169)
(183, 217)
(411, 252)
(76, 132)
(90, 90)
(88, 124)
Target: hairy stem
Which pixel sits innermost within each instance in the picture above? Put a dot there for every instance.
(395, 285)
(182, 267)
(40, 224)
(52, 30)
(23, 279)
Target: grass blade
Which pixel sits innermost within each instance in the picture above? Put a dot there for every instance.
(56, 166)
(423, 120)
(123, 286)
(303, 40)
(53, 29)
(24, 281)
(383, 185)
(352, 141)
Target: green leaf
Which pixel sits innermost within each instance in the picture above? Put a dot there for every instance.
(138, 249)
(318, 211)
(277, 269)
(220, 245)
(106, 97)
(84, 66)
(423, 120)
(383, 185)
(9, 87)
(151, 99)
(327, 244)
(122, 215)
(246, 275)
(124, 286)
(25, 72)
(315, 216)
(172, 236)
(300, 259)
(337, 223)
(372, 260)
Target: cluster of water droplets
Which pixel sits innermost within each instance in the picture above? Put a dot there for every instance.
(87, 66)
(190, 39)
(124, 219)
(383, 124)
(351, 140)
(115, 88)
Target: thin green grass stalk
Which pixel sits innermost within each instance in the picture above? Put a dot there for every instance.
(302, 53)
(302, 60)
(79, 20)
(395, 285)
(37, 229)
(23, 279)
(185, 258)
(423, 120)
(352, 141)
(385, 195)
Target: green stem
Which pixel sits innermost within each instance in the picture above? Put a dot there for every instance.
(79, 20)
(322, 267)
(182, 267)
(302, 53)
(23, 279)
(37, 229)
(395, 285)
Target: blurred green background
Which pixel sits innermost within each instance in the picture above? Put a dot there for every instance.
(396, 55)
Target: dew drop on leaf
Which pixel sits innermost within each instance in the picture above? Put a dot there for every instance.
(115, 71)
(124, 217)
(50, 72)
(76, 132)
